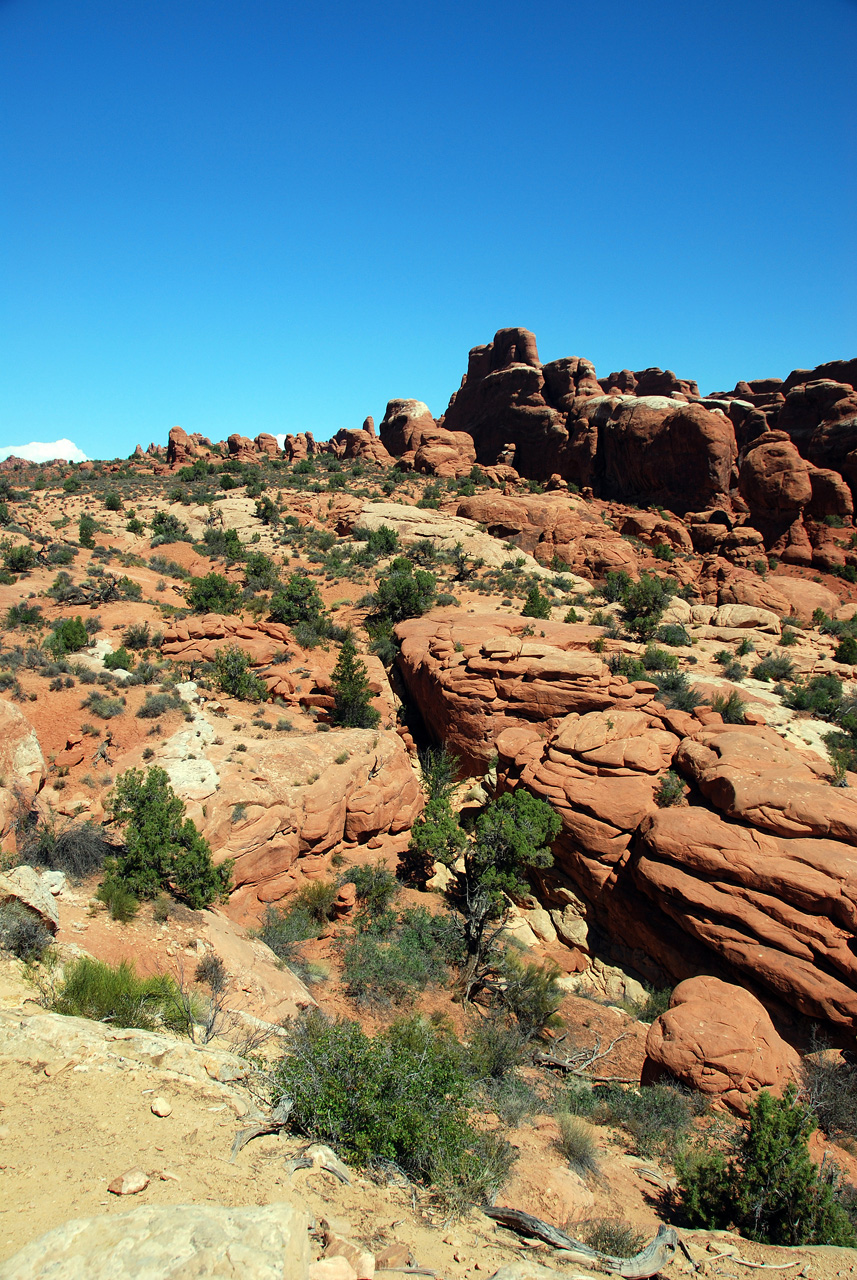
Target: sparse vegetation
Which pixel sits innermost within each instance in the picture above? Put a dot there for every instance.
(400, 1097)
(767, 1185)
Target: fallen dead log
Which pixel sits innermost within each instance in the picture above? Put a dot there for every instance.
(648, 1262)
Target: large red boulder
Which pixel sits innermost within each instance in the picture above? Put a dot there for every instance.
(719, 1039)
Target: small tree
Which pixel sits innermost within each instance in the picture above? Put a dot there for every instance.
(405, 592)
(643, 604)
(162, 848)
(536, 605)
(235, 677)
(512, 834)
(436, 835)
(20, 559)
(299, 600)
(770, 1188)
(69, 636)
(213, 594)
(86, 528)
(352, 696)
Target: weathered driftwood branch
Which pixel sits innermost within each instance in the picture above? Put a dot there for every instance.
(648, 1262)
(579, 1064)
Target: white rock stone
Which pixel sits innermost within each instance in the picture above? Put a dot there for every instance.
(170, 1242)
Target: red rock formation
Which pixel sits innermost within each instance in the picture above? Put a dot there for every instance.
(718, 1038)
(475, 675)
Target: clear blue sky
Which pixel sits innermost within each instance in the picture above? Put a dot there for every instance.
(257, 215)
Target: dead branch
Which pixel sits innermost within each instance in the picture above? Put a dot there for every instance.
(578, 1064)
(648, 1262)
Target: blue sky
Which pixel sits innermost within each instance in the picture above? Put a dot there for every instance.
(254, 215)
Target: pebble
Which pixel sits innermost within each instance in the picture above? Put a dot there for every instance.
(162, 1108)
(129, 1184)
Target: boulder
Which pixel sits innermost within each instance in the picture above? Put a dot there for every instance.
(718, 1038)
(163, 1241)
(404, 426)
(24, 885)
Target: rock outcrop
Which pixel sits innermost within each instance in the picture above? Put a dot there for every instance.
(270, 1242)
(473, 676)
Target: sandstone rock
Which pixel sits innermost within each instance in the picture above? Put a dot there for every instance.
(362, 1261)
(743, 615)
(165, 1242)
(130, 1183)
(413, 524)
(23, 884)
(498, 679)
(805, 597)
(331, 1269)
(719, 1039)
(404, 425)
(160, 1107)
(393, 1257)
(22, 765)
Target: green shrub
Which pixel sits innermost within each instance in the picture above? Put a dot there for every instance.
(382, 541)
(846, 650)
(676, 690)
(404, 592)
(119, 900)
(22, 932)
(103, 706)
(658, 1117)
(23, 615)
(643, 603)
(352, 696)
(822, 695)
(401, 1097)
(135, 525)
(284, 929)
(69, 636)
(119, 659)
(137, 636)
(655, 659)
(61, 553)
(234, 676)
(393, 959)
(774, 667)
(732, 669)
(213, 594)
(162, 848)
(536, 605)
(669, 791)
(86, 530)
(376, 888)
(731, 706)
(611, 1236)
(92, 989)
(260, 572)
(663, 551)
(577, 1143)
(317, 899)
(530, 992)
(113, 501)
(673, 634)
(20, 559)
(158, 704)
(768, 1187)
(223, 544)
(299, 600)
(168, 528)
(615, 585)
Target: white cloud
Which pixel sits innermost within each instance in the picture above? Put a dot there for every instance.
(280, 438)
(40, 451)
